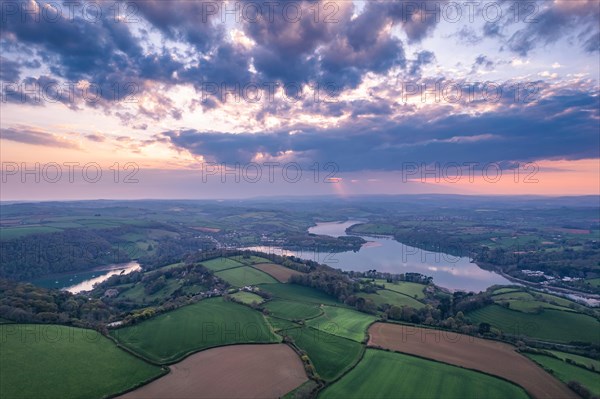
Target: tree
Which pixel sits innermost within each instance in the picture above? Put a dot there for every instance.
(484, 328)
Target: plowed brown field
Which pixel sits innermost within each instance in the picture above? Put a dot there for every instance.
(281, 273)
(491, 357)
(237, 371)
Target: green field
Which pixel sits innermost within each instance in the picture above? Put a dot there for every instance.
(331, 355)
(245, 275)
(299, 293)
(567, 372)
(392, 298)
(505, 290)
(558, 300)
(137, 294)
(221, 264)
(413, 290)
(383, 374)
(50, 361)
(342, 322)
(527, 302)
(250, 260)
(513, 295)
(594, 282)
(292, 310)
(281, 324)
(550, 325)
(588, 362)
(247, 297)
(10, 233)
(534, 306)
(212, 322)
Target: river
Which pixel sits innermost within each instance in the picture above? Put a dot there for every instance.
(85, 280)
(385, 254)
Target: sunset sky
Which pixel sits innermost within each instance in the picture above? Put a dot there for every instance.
(336, 97)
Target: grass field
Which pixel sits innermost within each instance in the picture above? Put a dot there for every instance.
(413, 290)
(470, 353)
(534, 306)
(212, 322)
(594, 282)
(137, 294)
(550, 325)
(331, 355)
(591, 363)
(10, 233)
(245, 275)
(247, 297)
(292, 310)
(528, 303)
(567, 372)
(50, 361)
(513, 295)
(392, 298)
(505, 290)
(281, 324)
(342, 322)
(221, 264)
(299, 293)
(383, 374)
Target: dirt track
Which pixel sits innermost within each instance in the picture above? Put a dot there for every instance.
(491, 357)
(237, 371)
(281, 273)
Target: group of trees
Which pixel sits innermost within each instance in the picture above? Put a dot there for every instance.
(37, 255)
(26, 303)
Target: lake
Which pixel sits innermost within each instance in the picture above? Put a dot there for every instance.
(85, 280)
(385, 254)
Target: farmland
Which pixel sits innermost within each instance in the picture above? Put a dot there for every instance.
(392, 298)
(292, 310)
(383, 374)
(550, 325)
(469, 352)
(219, 264)
(212, 322)
(244, 275)
(342, 322)
(528, 303)
(247, 298)
(567, 372)
(86, 363)
(281, 273)
(240, 371)
(413, 290)
(298, 293)
(586, 361)
(330, 354)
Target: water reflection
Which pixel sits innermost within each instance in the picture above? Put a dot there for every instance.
(385, 254)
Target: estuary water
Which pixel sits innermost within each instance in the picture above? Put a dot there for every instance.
(385, 254)
(84, 280)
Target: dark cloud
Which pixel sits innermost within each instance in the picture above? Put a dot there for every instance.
(526, 134)
(28, 135)
(423, 58)
(592, 44)
(467, 35)
(555, 21)
(9, 70)
(96, 138)
(482, 61)
(193, 22)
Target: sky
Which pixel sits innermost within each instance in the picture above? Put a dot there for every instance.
(213, 99)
